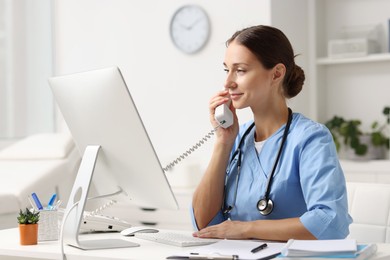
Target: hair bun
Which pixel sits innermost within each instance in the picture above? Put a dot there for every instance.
(295, 81)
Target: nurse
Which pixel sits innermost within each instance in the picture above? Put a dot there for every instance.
(278, 176)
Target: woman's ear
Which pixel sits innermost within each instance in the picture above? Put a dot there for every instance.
(279, 71)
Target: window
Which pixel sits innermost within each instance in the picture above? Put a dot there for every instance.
(26, 103)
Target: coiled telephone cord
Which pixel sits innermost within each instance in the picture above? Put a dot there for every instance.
(192, 149)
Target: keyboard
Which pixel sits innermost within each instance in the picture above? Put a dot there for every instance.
(175, 239)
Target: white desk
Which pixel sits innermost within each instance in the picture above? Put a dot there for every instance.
(10, 249)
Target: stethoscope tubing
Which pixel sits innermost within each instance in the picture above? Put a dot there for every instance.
(284, 138)
(269, 180)
(237, 152)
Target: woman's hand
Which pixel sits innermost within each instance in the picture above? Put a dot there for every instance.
(223, 134)
(227, 229)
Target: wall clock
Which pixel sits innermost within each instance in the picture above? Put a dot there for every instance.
(190, 28)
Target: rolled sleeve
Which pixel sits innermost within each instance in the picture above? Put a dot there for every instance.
(219, 218)
(319, 223)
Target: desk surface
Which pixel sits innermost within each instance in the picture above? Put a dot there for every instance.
(10, 247)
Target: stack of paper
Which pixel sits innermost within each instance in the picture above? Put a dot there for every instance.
(337, 248)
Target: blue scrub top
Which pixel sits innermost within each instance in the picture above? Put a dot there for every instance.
(308, 182)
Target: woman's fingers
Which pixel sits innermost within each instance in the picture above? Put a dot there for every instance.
(228, 229)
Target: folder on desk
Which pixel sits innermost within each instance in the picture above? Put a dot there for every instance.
(322, 249)
(231, 249)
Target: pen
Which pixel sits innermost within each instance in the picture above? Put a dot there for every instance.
(198, 256)
(51, 201)
(260, 247)
(32, 204)
(270, 256)
(216, 257)
(37, 202)
(57, 204)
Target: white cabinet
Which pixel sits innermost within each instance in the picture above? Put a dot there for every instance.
(349, 87)
(377, 171)
(164, 218)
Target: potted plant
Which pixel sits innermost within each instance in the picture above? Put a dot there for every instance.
(349, 133)
(28, 226)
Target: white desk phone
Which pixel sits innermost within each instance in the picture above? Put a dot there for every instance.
(101, 223)
(96, 222)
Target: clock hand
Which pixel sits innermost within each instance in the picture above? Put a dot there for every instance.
(184, 26)
(189, 27)
(193, 24)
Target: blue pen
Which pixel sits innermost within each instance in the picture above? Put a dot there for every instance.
(35, 197)
(51, 201)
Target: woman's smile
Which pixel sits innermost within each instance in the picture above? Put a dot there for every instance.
(235, 96)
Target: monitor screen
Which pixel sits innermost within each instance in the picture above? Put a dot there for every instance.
(99, 111)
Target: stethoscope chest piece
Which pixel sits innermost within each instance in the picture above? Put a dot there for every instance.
(265, 206)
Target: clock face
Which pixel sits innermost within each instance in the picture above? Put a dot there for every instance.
(190, 28)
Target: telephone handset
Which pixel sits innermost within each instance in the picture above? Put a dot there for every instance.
(224, 115)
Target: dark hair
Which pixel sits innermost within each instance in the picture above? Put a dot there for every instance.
(271, 47)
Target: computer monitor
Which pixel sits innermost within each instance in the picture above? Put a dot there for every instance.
(117, 152)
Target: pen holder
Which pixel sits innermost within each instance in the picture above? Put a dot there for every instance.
(48, 226)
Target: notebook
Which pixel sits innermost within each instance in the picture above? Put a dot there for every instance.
(332, 249)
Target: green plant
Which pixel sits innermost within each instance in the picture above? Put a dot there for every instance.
(378, 136)
(28, 217)
(350, 132)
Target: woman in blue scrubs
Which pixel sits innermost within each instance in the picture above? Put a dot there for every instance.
(237, 198)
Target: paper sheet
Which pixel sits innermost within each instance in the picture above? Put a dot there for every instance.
(242, 248)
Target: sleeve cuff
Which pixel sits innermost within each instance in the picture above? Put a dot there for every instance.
(219, 218)
(324, 230)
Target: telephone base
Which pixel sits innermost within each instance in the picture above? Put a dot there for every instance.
(100, 223)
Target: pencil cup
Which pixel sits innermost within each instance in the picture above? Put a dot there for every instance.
(48, 226)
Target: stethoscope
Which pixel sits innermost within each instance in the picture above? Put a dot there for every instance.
(265, 205)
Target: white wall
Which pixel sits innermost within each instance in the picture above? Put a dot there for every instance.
(291, 18)
(171, 89)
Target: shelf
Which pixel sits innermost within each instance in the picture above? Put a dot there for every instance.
(347, 86)
(369, 58)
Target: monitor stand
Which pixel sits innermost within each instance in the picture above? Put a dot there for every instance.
(76, 204)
